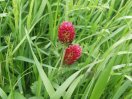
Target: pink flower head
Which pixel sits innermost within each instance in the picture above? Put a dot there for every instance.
(72, 54)
(66, 32)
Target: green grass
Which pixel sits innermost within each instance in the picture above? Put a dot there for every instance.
(30, 53)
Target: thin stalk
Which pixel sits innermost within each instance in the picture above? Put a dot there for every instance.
(63, 53)
(0, 75)
(66, 10)
(39, 78)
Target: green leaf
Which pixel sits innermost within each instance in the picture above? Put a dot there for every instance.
(102, 81)
(2, 0)
(124, 17)
(60, 91)
(104, 76)
(22, 58)
(3, 94)
(72, 87)
(122, 89)
(15, 95)
(34, 88)
(3, 14)
(36, 97)
(40, 10)
(42, 74)
(2, 48)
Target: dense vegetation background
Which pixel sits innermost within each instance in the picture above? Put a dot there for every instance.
(30, 53)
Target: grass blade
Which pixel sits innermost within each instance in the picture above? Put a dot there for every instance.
(3, 94)
(122, 89)
(60, 91)
(72, 87)
(104, 76)
(42, 74)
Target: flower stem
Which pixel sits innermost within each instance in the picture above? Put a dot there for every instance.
(66, 10)
(63, 53)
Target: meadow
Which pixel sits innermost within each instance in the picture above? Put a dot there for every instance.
(31, 55)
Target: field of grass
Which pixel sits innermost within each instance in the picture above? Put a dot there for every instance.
(31, 54)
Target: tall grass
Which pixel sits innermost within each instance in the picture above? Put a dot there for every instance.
(30, 53)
